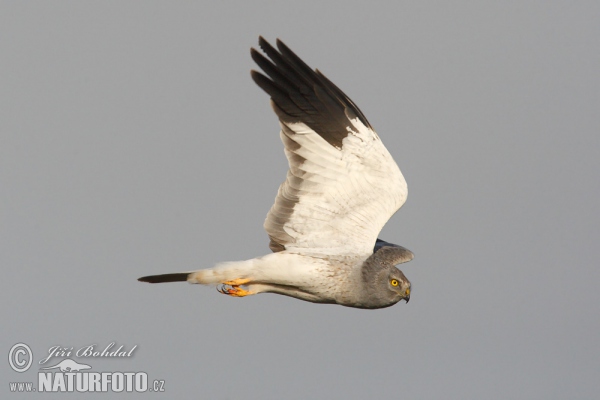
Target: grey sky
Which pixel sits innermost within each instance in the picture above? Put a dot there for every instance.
(133, 142)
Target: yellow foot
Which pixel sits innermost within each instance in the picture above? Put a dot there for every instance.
(237, 282)
(234, 290)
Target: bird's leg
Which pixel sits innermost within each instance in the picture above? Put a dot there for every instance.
(237, 282)
(232, 288)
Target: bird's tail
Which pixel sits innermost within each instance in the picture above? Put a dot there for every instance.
(223, 272)
(175, 277)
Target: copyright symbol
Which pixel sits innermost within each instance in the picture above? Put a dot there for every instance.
(20, 357)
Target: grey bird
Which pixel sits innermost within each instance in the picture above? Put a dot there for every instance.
(341, 188)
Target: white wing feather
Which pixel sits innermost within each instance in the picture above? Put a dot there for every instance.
(342, 185)
(334, 201)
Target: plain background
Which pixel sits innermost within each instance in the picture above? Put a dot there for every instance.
(134, 142)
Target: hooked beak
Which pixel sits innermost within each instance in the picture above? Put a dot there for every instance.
(407, 295)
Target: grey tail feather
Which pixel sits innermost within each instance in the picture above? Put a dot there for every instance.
(176, 277)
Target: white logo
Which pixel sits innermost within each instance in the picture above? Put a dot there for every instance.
(69, 375)
(69, 365)
(16, 357)
(70, 379)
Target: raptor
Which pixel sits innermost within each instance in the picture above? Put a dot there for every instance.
(341, 188)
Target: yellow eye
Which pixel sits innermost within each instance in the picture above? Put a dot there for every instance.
(394, 282)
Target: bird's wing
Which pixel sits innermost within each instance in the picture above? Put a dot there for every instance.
(343, 185)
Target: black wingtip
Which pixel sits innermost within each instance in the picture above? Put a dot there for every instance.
(304, 95)
(176, 277)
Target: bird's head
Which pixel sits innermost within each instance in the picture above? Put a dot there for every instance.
(398, 284)
(385, 285)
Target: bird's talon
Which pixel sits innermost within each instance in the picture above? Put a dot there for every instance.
(233, 290)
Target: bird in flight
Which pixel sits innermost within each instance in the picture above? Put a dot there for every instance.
(341, 188)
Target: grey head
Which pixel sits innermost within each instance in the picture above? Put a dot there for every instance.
(383, 284)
